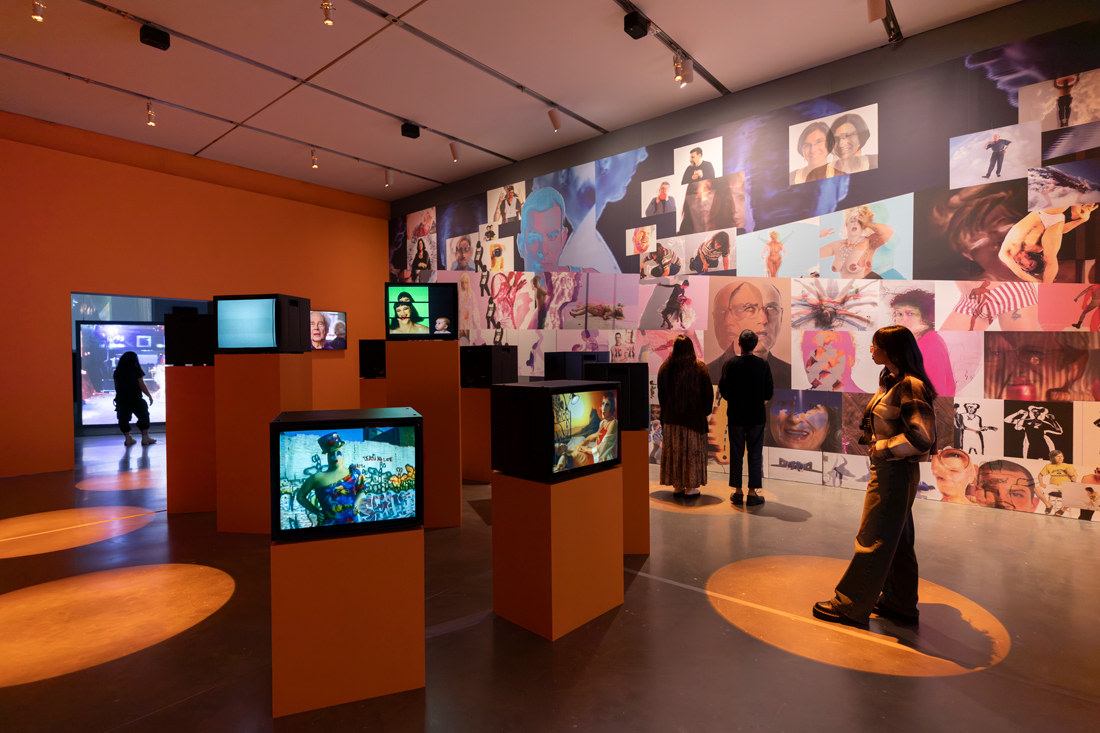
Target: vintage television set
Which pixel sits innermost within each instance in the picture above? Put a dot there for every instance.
(484, 366)
(190, 339)
(372, 359)
(553, 431)
(344, 472)
(570, 364)
(101, 344)
(421, 312)
(633, 379)
(259, 324)
(329, 328)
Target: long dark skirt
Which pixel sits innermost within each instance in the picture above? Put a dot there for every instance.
(683, 457)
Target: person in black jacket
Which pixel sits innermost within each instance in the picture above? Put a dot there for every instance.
(686, 394)
(746, 386)
(129, 388)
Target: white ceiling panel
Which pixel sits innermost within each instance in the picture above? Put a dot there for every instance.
(572, 51)
(286, 34)
(258, 151)
(28, 91)
(81, 39)
(412, 78)
(312, 115)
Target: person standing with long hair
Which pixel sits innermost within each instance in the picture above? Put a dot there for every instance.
(685, 393)
(899, 427)
(129, 388)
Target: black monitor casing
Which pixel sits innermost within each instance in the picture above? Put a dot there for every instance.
(484, 366)
(633, 379)
(291, 324)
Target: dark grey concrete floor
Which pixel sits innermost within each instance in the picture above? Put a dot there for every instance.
(663, 661)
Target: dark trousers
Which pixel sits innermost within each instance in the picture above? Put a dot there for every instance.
(139, 409)
(884, 560)
(995, 161)
(751, 437)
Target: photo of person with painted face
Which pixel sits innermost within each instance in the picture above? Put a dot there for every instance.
(804, 420)
(1007, 485)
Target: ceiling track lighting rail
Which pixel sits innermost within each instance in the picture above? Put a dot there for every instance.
(427, 38)
(636, 19)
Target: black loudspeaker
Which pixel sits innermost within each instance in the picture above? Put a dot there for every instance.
(190, 339)
(484, 366)
(408, 129)
(155, 37)
(635, 25)
(633, 379)
(372, 359)
(570, 364)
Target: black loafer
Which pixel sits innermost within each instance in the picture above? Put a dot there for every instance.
(737, 499)
(905, 618)
(826, 611)
(753, 500)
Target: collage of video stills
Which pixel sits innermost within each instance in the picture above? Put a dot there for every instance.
(958, 200)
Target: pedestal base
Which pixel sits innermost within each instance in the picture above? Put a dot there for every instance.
(557, 551)
(192, 481)
(347, 620)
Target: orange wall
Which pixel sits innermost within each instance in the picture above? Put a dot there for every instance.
(75, 223)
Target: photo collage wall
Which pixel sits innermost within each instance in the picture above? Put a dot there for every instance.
(958, 200)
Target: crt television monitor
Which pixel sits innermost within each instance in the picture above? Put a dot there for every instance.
(421, 312)
(328, 330)
(345, 472)
(552, 431)
(269, 323)
(102, 343)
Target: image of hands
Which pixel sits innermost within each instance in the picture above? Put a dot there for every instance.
(659, 196)
(1073, 99)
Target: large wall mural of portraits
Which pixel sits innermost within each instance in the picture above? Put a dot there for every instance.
(958, 200)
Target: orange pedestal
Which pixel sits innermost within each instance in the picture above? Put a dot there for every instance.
(635, 454)
(347, 620)
(557, 550)
(372, 393)
(476, 455)
(424, 375)
(250, 390)
(189, 418)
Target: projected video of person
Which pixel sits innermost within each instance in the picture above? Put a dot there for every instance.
(101, 346)
(346, 476)
(586, 428)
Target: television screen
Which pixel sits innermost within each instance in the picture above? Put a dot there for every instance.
(421, 311)
(269, 323)
(328, 330)
(345, 472)
(247, 323)
(554, 431)
(586, 428)
(102, 343)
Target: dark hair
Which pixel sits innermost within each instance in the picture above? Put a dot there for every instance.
(404, 298)
(683, 349)
(901, 349)
(696, 150)
(816, 127)
(857, 122)
(922, 300)
(723, 241)
(610, 397)
(127, 364)
(748, 340)
(420, 243)
(1055, 452)
(1036, 259)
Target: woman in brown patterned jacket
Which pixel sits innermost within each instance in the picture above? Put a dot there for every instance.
(899, 426)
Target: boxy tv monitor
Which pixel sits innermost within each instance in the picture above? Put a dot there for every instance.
(552, 431)
(328, 330)
(421, 312)
(262, 324)
(345, 472)
(101, 344)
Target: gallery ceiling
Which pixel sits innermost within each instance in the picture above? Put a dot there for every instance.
(262, 83)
